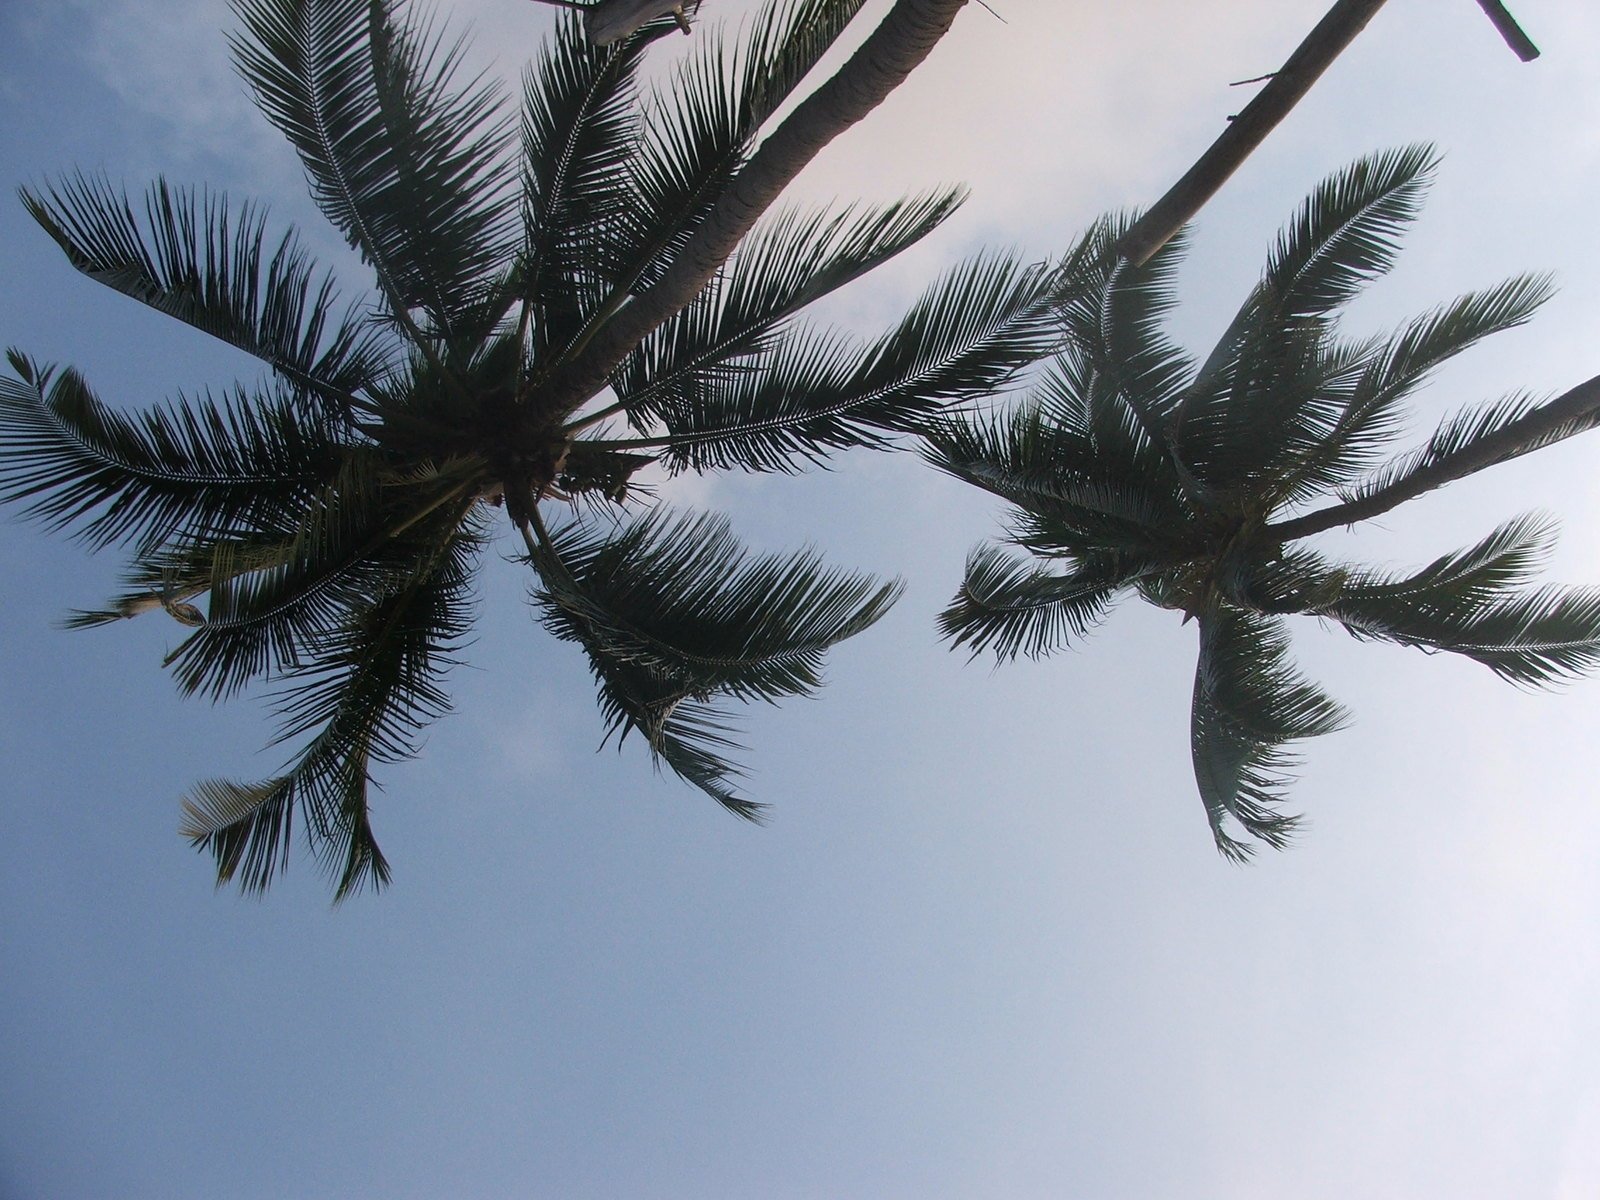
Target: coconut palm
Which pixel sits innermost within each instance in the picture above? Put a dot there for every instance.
(1133, 469)
(555, 309)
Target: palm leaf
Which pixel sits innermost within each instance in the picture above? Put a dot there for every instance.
(966, 338)
(198, 468)
(786, 264)
(405, 163)
(371, 690)
(1373, 416)
(580, 130)
(701, 127)
(1463, 435)
(349, 550)
(191, 258)
(1469, 603)
(1014, 607)
(1070, 498)
(1249, 702)
(1344, 235)
(673, 613)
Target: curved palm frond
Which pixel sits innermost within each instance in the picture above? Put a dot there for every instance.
(672, 613)
(700, 128)
(790, 262)
(1346, 234)
(198, 468)
(1477, 602)
(406, 164)
(1275, 378)
(1015, 607)
(580, 131)
(191, 258)
(1249, 702)
(349, 550)
(1373, 415)
(372, 687)
(965, 338)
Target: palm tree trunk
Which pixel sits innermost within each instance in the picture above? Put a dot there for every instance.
(904, 39)
(1568, 414)
(1519, 42)
(1249, 129)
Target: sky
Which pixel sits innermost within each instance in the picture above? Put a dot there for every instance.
(984, 948)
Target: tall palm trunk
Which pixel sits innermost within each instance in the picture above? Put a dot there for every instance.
(904, 39)
(1568, 414)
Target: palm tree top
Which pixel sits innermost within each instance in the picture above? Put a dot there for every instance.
(1132, 467)
(566, 290)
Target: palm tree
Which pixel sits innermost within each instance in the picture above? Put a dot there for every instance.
(1133, 469)
(558, 305)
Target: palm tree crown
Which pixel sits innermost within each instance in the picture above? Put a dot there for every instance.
(330, 519)
(1132, 468)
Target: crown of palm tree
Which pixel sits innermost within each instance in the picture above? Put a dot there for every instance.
(555, 308)
(1132, 468)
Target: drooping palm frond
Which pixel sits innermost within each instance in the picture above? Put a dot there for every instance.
(407, 165)
(673, 613)
(192, 258)
(198, 468)
(373, 685)
(1016, 607)
(965, 338)
(350, 549)
(1249, 703)
(1125, 375)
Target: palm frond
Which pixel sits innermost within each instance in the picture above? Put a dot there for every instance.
(1275, 376)
(1016, 607)
(192, 258)
(1345, 234)
(374, 685)
(701, 126)
(580, 129)
(1128, 374)
(1477, 602)
(787, 263)
(1460, 435)
(350, 549)
(1373, 414)
(198, 468)
(1249, 702)
(407, 165)
(673, 613)
(966, 338)
(1070, 498)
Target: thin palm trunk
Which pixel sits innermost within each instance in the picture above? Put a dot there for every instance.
(904, 39)
(1568, 414)
(1337, 29)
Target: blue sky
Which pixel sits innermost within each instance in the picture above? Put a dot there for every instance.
(984, 949)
